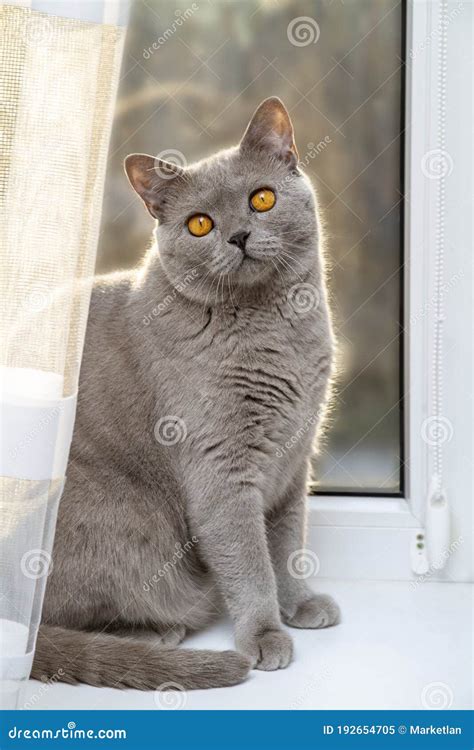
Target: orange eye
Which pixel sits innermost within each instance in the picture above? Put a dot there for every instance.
(200, 224)
(263, 199)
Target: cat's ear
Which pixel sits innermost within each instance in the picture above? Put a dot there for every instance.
(270, 130)
(151, 177)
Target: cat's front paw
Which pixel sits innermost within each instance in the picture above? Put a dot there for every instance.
(269, 650)
(319, 611)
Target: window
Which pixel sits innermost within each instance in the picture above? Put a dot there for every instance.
(382, 117)
(190, 81)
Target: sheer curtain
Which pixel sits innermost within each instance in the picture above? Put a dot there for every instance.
(59, 69)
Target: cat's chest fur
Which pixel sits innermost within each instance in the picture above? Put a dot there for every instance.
(236, 353)
(261, 348)
(249, 380)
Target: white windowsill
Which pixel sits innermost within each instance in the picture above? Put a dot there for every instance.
(340, 510)
(385, 654)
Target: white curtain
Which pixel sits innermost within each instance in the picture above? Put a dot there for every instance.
(59, 69)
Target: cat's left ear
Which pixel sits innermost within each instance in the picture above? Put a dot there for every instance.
(151, 178)
(270, 130)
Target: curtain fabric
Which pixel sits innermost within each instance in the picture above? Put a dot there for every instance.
(59, 69)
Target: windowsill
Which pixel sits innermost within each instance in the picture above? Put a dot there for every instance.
(340, 510)
(383, 655)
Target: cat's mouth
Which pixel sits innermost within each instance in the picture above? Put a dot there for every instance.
(258, 257)
(249, 258)
(246, 260)
(250, 265)
(251, 268)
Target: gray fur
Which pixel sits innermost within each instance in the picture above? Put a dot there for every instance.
(156, 538)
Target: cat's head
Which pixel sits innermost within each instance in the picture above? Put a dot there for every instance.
(244, 215)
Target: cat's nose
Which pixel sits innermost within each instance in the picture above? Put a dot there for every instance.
(239, 239)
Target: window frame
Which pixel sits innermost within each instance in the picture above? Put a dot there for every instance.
(378, 537)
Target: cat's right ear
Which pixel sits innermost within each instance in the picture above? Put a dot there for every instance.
(270, 130)
(150, 177)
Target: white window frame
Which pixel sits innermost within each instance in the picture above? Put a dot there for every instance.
(384, 538)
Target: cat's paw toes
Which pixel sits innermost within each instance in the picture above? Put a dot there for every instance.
(172, 637)
(320, 611)
(270, 650)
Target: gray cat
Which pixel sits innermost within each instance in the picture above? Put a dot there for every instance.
(204, 376)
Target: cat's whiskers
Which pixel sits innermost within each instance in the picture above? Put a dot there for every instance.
(217, 287)
(288, 267)
(207, 297)
(208, 293)
(221, 278)
(202, 282)
(277, 270)
(277, 231)
(230, 291)
(223, 286)
(293, 240)
(190, 270)
(293, 257)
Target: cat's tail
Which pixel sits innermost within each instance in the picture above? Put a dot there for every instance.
(104, 660)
